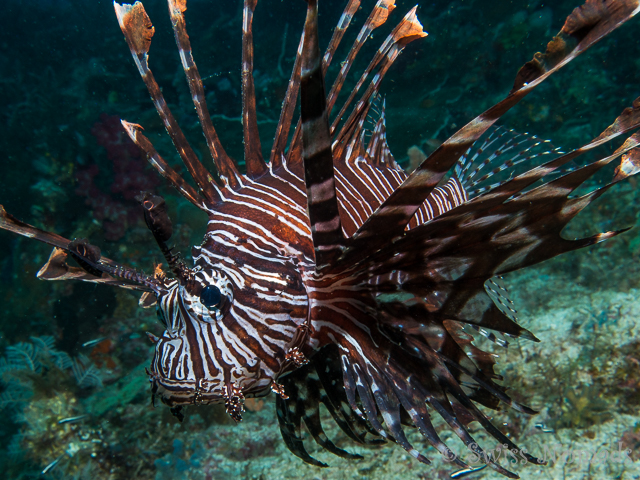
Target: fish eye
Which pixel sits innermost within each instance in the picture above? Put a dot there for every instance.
(211, 296)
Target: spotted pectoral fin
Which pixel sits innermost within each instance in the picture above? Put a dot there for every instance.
(311, 416)
(412, 378)
(290, 428)
(584, 27)
(291, 412)
(333, 396)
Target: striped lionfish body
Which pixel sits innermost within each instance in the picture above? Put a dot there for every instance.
(327, 273)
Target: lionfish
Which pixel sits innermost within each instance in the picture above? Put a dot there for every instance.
(327, 273)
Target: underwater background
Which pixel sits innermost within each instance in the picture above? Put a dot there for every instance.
(73, 392)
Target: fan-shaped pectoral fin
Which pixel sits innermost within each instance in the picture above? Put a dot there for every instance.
(585, 26)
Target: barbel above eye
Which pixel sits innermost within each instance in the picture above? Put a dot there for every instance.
(211, 297)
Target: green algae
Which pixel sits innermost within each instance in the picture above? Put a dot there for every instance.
(119, 394)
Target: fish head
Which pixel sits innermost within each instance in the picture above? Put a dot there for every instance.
(227, 333)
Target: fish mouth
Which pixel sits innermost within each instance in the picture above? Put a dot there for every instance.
(176, 393)
(185, 392)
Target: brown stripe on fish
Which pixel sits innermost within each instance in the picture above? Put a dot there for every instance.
(386, 332)
(322, 203)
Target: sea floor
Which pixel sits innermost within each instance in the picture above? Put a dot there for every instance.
(583, 431)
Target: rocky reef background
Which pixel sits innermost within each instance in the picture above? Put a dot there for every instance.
(84, 411)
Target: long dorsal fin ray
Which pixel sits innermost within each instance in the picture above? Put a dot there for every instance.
(322, 202)
(584, 27)
(288, 109)
(138, 31)
(338, 32)
(336, 38)
(408, 30)
(161, 165)
(252, 148)
(286, 115)
(377, 18)
(408, 25)
(225, 165)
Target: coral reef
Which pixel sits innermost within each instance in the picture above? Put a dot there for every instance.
(40, 386)
(130, 175)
